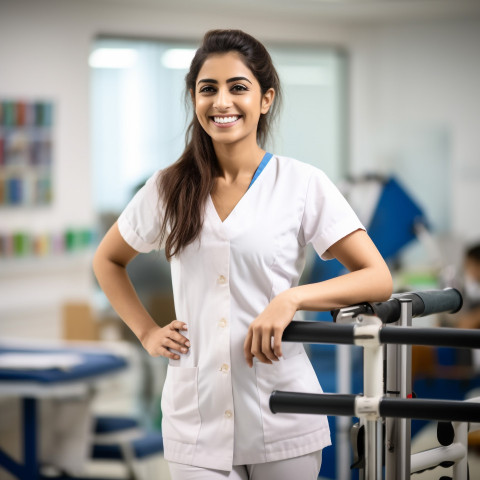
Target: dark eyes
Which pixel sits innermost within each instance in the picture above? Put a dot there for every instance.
(237, 88)
(207, 89)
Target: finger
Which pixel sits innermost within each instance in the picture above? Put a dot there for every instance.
(170, 344)
(257, 347)
(178, 325)
(247, 348)
(173, 355)
(277, 341)
(267, 346)
(164, 352)
(179, 338)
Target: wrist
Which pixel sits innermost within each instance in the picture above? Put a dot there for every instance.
(144, 333)
(291, 297)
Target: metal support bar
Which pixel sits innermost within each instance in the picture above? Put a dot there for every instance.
(434, 457)
(398, 385)
(28, 470)
(460, 469)
(367, 335)
(343, 358)
(30, 437)
(325, 332)
(343, 404)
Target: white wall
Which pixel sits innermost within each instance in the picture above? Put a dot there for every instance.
(402, 74)
(44, 49)
(423, 76)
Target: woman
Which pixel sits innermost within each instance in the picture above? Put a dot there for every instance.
(235, 221)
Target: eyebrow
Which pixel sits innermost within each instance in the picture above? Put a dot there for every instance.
(230, 80)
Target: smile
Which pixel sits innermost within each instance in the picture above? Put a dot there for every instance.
(226, 120)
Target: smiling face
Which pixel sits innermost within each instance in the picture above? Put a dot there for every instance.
(228, 99)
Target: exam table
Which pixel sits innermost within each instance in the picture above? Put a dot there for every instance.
(32, 373)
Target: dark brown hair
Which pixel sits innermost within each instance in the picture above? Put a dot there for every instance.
(185, 185)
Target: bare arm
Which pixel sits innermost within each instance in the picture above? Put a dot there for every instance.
(368, 280)
(109, 264)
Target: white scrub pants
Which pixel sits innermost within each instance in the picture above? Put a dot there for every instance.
(306, 467)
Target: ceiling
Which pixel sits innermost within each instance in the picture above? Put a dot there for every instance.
(327, 10)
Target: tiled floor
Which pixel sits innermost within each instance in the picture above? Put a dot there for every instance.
(152, 469)
(157, 469)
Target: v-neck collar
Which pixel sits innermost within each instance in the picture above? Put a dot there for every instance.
(265, 161)
(266, 158)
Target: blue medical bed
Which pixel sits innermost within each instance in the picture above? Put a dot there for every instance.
(31, 384)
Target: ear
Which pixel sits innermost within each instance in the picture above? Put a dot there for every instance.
(192, 95)
(267, 100)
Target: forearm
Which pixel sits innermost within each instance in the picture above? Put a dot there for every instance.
(116, 285)
(365, 285)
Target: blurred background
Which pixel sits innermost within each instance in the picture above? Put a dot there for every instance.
(383, 95)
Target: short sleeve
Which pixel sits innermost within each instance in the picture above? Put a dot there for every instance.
(140, 222)
(327, 215)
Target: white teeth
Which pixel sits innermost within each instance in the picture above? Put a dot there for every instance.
(225, 119)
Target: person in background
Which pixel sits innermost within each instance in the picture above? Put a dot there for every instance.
(235, 221)
(470, 315)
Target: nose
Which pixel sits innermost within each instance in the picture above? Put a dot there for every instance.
(222, 99)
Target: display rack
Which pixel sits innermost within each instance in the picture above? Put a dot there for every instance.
(26, 152)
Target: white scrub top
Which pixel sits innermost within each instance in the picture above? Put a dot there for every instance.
(215, 408)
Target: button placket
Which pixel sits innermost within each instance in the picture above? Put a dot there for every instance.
(224, 368)
(222, 323)
(225, 410)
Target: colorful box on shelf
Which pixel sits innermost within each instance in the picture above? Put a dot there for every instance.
(26, 244)
(24, 113)
(25, 191)
(26, 152)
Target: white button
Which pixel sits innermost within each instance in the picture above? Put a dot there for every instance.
(224, 368)
(228, 414)
(222, 323)
(221, 280)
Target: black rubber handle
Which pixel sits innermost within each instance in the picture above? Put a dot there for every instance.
(319, 332)
(344, 404)
(437, 337)
(344, 334)
(324, 403)
(428, 302)
(426, 409)
(448, 300)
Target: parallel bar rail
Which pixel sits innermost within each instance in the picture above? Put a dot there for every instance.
(345, 404)
(424, 303)
(364, 324)
(326, 332)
